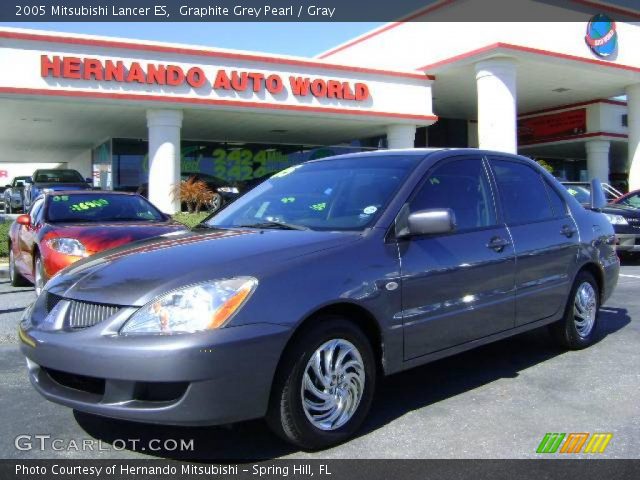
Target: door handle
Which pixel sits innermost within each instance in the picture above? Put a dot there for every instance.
(498, 244)
(567, 231)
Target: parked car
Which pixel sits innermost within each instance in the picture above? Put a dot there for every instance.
(13, 195)
(43, 181)
(631, 199)
(625, 219)
(294, 299)
(64, 227)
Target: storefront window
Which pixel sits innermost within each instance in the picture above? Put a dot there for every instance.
(230, 163)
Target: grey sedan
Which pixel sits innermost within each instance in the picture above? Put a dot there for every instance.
(292, 301)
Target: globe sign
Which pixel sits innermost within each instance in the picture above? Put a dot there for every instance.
(601, 36)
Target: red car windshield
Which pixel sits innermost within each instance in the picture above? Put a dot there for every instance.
(103, 207)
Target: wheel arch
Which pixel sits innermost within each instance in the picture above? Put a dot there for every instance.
(597, 272)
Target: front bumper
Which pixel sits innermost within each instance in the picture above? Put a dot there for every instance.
(207, 378)
(628, 242)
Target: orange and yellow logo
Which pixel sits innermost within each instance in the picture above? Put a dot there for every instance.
(574, 443)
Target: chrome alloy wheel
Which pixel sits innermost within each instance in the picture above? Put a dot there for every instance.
(333, 384)
(584, 309)
(39, 275)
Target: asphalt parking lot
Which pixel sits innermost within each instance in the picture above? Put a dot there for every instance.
(495, 402)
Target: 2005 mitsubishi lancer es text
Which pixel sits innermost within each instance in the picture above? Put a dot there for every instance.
(292, 301)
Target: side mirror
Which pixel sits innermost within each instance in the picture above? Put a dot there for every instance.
(89, 180)
(28, 181)
(7, 186)
(427, 222)
(598, 198)
(24, 220)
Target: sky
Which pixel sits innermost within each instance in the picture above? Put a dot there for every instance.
(291, 38)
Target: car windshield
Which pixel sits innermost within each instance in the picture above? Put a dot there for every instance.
(581, 193)
(58, 176)
(101, 207)
(336, 194)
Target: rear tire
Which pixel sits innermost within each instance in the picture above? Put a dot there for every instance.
(16, 279)
(336, 357)
(577, 329)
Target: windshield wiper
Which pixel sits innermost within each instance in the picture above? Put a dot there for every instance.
(275, 224)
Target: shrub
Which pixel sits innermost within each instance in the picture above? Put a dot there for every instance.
(4, 239)
(195, 193)
(190, 219)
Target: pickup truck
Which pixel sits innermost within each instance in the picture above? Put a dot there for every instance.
(43, 181)
(13, 195)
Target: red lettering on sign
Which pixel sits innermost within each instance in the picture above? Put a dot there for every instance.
(114, 71)
(362, 92)
(4, 173)
(347, 94)
(319, 88)
(299, 86)
(71, 67)
(175, 75)
(334, 89)
(274, 84)
(136, 74)
(239, 82)
(196, 77)
(50, 66)
(257, 80)
(156, 74)
(92, 69)
(222, 81)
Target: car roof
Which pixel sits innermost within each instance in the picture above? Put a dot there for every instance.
(416, 152)
(89, 192)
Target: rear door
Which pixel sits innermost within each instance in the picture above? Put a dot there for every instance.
(544, 235)
(460, 286)
(27, 238)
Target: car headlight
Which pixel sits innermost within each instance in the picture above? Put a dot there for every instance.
(233, 190)
(616, 219)
(196, 308)
(67, 246)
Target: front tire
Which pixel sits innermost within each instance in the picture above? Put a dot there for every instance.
(325, 384)
(577, 329)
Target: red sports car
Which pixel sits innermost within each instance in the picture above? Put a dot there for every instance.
(64, 227)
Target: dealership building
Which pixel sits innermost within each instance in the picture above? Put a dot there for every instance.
(129, 113)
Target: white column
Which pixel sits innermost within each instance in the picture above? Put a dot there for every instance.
(598, 160)
(497, 118)
(401, 136)
(164, 158)
(633, 110)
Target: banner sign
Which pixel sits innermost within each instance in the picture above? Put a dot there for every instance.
(553, 126)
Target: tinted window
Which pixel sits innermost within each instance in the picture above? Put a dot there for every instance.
(335, 194)
(632, 201)
(461, 185)
(101, 207)
(557, 202)
(522, 192)
(58, 176)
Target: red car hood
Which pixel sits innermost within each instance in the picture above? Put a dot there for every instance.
(98, 237)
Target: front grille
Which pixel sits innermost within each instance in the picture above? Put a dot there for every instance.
(84, 314)
(81, 314)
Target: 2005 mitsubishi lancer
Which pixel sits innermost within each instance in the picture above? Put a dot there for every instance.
(292, 301)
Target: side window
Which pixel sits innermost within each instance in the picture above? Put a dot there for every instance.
(522, 192)
(461, 185)
(557, 202)
(35, 211)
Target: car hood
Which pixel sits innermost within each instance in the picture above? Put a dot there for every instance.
(135, 274)
(63, 186)
(97, 237)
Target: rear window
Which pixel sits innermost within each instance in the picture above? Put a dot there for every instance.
(58, 176)
(101, 208)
